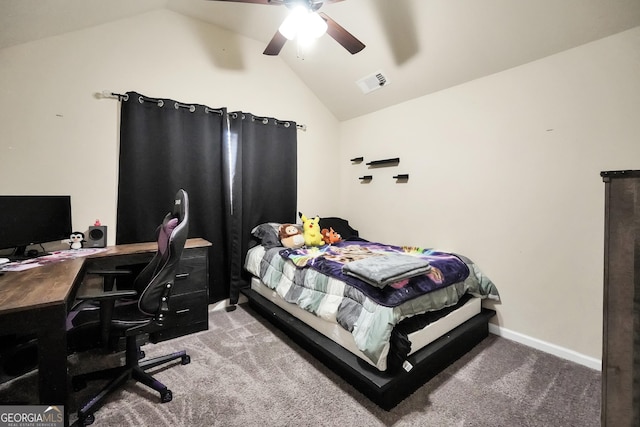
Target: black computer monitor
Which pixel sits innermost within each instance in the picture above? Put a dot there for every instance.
(30, 220)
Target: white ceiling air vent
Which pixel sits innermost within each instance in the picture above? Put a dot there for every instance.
(372, 82)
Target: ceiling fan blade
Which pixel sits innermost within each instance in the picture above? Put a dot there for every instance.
(342, 36)
(275, 45)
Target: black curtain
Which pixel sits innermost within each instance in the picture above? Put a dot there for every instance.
(228, 165)
(266, 186)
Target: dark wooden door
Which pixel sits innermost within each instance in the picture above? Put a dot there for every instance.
(621, 327)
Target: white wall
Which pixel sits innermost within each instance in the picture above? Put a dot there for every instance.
(505, 170)
(58, 138)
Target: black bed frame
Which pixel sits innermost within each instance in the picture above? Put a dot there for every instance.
(384, 389)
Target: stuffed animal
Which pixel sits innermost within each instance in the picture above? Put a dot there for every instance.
(76, 240)
(311, 233)
(330, 236)
(291, 236)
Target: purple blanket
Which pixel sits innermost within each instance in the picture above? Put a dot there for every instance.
(446, 269)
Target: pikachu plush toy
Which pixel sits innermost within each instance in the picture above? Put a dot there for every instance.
(311, 233)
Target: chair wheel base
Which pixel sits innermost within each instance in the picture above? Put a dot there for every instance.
(166, 396)
(186, 359)
(87, 420)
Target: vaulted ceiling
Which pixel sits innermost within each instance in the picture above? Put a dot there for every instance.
(421, 46)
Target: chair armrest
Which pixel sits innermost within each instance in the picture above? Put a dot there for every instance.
(109, 295)
(110, 276)
(107, 302)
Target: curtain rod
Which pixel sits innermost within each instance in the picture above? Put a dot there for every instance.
(125, 97)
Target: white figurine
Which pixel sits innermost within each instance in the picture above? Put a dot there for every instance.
(76, 240)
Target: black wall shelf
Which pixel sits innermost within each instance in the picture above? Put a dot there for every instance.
(357, 159)
(402, 177)
(366, 178)
(385, 162)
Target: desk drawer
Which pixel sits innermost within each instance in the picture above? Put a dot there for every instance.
(192, 273)
(189, 313)
(184, 307)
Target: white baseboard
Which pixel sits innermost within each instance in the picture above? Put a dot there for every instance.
(564, 353)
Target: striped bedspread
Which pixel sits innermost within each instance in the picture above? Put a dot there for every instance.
(441, 269)
(337, 300)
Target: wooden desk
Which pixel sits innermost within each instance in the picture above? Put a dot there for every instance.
(38, 300)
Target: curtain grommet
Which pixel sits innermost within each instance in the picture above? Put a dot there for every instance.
(177, 105)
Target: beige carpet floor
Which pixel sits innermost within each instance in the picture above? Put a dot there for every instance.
(244, 372)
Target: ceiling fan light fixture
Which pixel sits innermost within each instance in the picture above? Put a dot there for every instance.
(303, 24)
(315, 26)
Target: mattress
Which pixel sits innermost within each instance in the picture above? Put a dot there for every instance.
(337, 334)
(334, 331)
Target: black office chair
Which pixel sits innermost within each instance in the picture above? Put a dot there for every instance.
(133, 313)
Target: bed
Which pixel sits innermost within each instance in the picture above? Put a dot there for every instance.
(386, 318)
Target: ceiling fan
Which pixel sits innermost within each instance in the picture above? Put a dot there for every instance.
(308, 9)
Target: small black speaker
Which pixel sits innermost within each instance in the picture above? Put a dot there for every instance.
(97, 237)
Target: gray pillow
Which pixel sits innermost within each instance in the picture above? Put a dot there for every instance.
(267, 234)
